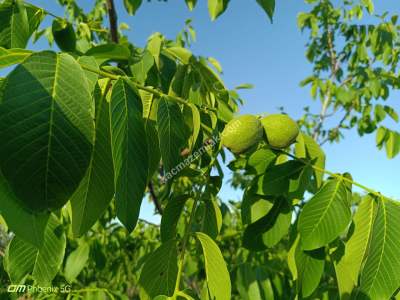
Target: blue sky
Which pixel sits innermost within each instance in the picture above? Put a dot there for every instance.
(270, 56)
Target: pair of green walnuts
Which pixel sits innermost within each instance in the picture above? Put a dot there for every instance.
(245, 131)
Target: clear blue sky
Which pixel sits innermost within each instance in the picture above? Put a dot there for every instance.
(270, 56)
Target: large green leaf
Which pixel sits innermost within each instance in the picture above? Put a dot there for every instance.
(218, 280)
(325, 216)
(160, 272)
(349, 262)
(9, 57)
(14, 24)
(96, 189)
(380, 276)
(129, 150)
(42, 262)
(171, 133)
(46, 125)
(26, 225)
(76, 261)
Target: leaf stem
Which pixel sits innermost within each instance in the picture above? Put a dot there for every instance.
(335, 175)
(184, 244)
(144, 88)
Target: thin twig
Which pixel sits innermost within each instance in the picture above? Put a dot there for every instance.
(154, 198)
(112, 16)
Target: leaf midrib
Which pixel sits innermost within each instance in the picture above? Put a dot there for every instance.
(383, 244)
(51, 124)
(338, 182)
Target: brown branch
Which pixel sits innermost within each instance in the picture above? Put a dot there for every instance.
(328, 95)
(2, 253)
(154, 198)
(340, 124)
(112, 15)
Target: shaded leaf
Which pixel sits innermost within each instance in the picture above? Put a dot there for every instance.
(76, 261)
(46, 120)
(96, 189)
(129, 150)
(159, 273)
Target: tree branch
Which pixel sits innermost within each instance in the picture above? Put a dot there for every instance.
(328, 95)
(112, 15)
(154, 198)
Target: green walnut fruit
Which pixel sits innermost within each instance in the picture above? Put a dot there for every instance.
(242, 133)
(281, 131)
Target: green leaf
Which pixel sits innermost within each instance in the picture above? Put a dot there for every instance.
(154, 46)
(43, 262)
(160, 272)
(76, 261)
(392, 113)
(216, 8)
(92, 77)
(171, 216)
(268, 6)
(141, 68)
(171, 133)
(310, 267)
(269, 230)
(96, 189)
(196, 123)
(369, 5)
(215, 63)
(380, 276)
(348, 263)
(109, 52)
(26, 225)
(64, 35)
(247, 283)
(254, 207)
(191, 4)
(316, 155)
(381, 136)
(9, 57)
(129, 150)
(218, 280)
(14, 24)
(325, 216)
(210, 217)
(180, 53)
(132, 6)
(276, 179)
(244, 86)
(260, 160)
(392, 144)
(46, 123)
